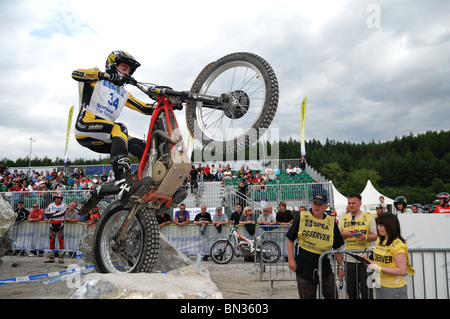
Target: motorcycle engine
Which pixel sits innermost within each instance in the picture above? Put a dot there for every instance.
(244, 247)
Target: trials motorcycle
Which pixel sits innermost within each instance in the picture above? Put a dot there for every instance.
(230, 105)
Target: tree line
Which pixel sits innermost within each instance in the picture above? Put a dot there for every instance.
(415, 166)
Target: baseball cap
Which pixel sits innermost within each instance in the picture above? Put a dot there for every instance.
(321, 198)
(219, 208)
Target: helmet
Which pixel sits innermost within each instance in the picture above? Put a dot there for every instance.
(400, 200)
(445, 196)
(58, 195)
(116, 57)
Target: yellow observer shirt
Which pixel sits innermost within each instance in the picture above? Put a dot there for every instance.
(361, 226)
(384, 257)
(315, 235)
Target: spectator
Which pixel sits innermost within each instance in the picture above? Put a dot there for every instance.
(93, 216)
(379, 211)
(290, 171)
(303, 163)
(297, 169)
(241, 174)
(358, 230)
(163, 219)
(242, 193)
(203, 219)
(200, 172)
(284, 217)
(104, 177)
(72, 213)
(310, 246)
(36, 214)
(226, 174)
(383, 204)
(220, 172)
(414, 209)
(22, 212)
(391, 259)
(248, 219)
(111, 176)
(219, 219)
(182, 216)
(266, 218)
(443, 206)
(213, 173)
(236, 216)
(193, 180)
(276, 170)
(400, 205)
(207, 173)
(55, 212)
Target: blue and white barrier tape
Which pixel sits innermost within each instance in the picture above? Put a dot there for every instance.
(41, 277)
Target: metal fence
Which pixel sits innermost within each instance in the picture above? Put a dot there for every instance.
(430, 281)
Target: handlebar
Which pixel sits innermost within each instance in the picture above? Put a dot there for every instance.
(184, 96)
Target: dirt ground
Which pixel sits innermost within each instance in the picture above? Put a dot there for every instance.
(236, 280)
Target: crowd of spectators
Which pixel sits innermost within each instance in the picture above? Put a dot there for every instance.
(18, 181)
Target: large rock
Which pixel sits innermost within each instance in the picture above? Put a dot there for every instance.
(7, 219)
(183, 280)
(190, 282)
(169, 258)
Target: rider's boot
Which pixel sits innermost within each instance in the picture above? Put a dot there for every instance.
(124, 185)
(128, 189)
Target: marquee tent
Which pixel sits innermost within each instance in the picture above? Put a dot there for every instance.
(340, 201)
(371, 198)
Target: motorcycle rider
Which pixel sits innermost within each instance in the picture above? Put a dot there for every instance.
(102, 98)
(56, 212)
(401, 205)
(443, 206)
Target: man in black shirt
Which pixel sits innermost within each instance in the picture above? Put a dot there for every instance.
(317, 233)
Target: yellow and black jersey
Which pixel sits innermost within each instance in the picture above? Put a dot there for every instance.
(104, 99)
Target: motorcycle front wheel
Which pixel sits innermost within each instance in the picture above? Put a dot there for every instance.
(140, 249)
(269, 252)
(251, 87)
(222, 251)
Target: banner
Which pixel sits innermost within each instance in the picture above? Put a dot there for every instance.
(302, 127)
(69, 126)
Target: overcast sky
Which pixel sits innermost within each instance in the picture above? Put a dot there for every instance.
(372, 70)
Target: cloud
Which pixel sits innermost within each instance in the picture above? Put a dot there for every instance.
(362, 83)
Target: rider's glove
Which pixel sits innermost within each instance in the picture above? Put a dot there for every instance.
(116, 78)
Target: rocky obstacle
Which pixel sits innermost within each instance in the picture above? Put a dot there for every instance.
(7, 219)
(190, 282)
(175, 277)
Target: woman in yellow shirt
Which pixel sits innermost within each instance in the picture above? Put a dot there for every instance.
(391, 259)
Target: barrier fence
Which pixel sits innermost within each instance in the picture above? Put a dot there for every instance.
(35, 236)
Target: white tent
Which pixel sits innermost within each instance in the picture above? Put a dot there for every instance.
(340, 201)
(371, 198)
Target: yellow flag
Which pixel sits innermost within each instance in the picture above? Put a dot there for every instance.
(69, 126)
(302, 127)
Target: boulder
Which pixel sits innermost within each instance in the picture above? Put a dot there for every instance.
(169, 258)
(7, 219)
(190, 282)
(175, 277)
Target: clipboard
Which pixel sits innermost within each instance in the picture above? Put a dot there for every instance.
(360, 259)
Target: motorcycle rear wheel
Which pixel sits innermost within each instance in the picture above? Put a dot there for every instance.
(251, 83)
(222, 251)
(140, 249)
